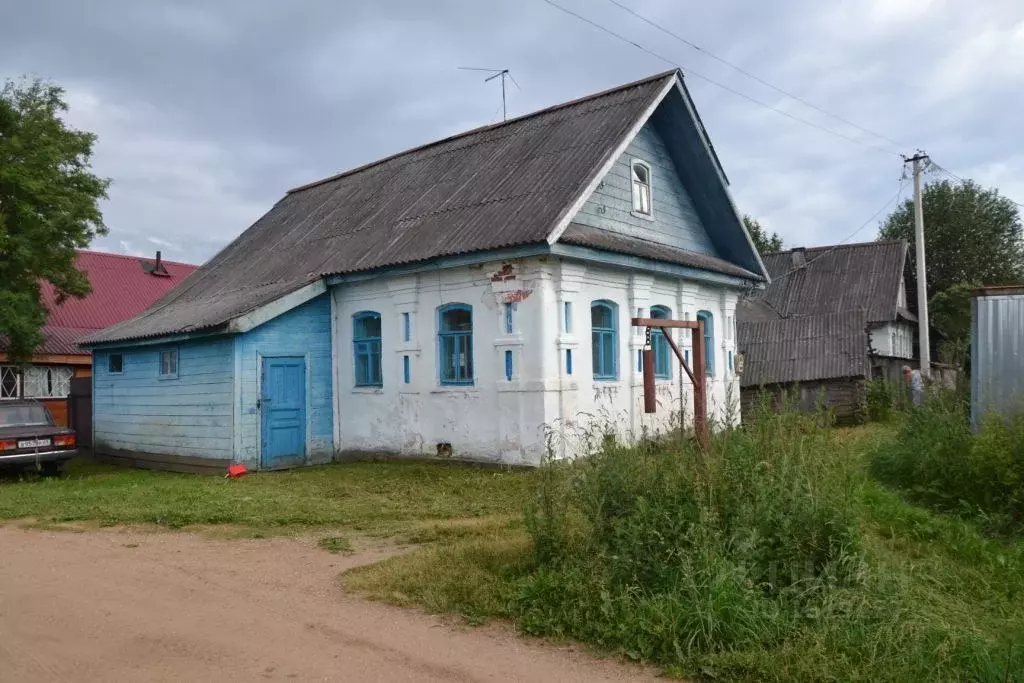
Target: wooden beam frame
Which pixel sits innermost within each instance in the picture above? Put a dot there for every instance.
(698, 374)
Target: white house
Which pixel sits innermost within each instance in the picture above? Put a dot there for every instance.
(469, 298)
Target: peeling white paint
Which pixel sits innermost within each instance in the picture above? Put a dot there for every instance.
(496, 419)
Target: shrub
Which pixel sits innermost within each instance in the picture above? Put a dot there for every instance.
(670, 554)
(938, 461)
(879, 400)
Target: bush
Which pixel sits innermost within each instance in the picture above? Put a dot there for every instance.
(939, 461)
(671, 554)
(879, 400)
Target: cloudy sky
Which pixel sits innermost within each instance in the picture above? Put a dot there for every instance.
(208, 111)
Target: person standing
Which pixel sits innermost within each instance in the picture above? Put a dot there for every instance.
(916, 383)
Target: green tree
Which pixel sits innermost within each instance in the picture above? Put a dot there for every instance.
(765, 243)
(49, 207)
(972, 235)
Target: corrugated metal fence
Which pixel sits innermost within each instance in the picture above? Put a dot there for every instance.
(997, 351)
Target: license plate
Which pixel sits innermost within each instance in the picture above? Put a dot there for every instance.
(33, 443)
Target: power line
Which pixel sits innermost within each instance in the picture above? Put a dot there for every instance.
(963, 181)
(727, 88)
(754, 77)
(895, 198)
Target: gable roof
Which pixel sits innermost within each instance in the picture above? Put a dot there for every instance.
(501, 186)
(824, 280)
(802, 349)
(122, 287)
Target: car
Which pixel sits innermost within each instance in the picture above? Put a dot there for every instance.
(30, 439)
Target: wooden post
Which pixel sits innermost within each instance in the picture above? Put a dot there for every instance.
(700, 376)
(650, 398)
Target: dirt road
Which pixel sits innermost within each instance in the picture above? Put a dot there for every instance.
(137, 606)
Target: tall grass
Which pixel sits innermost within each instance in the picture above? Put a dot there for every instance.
(937, 460)
(754, 559)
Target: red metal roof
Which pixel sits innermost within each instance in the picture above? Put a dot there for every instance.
(122, 287)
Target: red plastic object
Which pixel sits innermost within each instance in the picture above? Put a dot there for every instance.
(236, 471)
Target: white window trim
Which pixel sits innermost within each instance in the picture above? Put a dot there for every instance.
(650, 190)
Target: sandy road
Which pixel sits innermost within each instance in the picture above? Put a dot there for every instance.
(118, 605)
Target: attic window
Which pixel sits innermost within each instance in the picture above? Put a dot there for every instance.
(641, 173)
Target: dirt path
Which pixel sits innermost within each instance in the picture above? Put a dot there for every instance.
(137, 606)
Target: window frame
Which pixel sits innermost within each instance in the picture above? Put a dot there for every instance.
(50, 378)
(15, 372)
(636, 186)
(599, 362)
(709, 341)
(369, 346)
(160, 363)
(662, 351)
(110, 359)
(446, 337)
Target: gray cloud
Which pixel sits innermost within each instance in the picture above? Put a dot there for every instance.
(208, 111)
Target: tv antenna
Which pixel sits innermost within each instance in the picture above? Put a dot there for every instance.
(497, 73)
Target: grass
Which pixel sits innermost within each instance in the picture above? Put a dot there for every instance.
(924, 596)
(368, 498)
(794, 564)
(336, 545)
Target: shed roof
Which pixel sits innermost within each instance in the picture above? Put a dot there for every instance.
(803, 349)
(495, 187)
(823, 280)
(122, 287)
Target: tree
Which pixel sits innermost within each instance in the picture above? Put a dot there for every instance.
(765, 243)
(972, 235)
(49, 207)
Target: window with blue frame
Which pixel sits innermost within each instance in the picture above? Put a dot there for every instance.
(709, 340)
(366, 348)
(662, 359)
(455, 343)
(604, 339)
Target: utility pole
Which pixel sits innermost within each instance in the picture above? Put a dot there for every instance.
(922, 282)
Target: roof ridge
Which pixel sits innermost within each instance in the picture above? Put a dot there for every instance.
(840, 246)
(94, 252)
(480, 129)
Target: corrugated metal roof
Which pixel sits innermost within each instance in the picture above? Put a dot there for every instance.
(803, 349)
(122, 287)
(848, 277)
(606, 240)
(494, 187)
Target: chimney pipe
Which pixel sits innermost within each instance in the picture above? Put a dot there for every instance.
(799, 257)
(157, 260)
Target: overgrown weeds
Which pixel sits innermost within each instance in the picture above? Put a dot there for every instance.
(937, 460)
(758, 559)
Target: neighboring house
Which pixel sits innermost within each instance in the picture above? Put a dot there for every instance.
(122, 286)
(470, 298)
(831, 318)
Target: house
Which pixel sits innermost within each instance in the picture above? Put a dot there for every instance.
(831, 318)
(997, 352)
(470, 298)
(122, 287)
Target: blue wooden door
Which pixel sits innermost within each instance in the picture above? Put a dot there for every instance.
(283, 409)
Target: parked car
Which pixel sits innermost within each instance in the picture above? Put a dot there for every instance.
(29, 438)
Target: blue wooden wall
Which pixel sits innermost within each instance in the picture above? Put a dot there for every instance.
(674, 220)
(304, 331)
(188, 415)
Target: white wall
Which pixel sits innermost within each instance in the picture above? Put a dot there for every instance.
(895, 340)
(513, 421)
(494, 419)
(598, 404)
